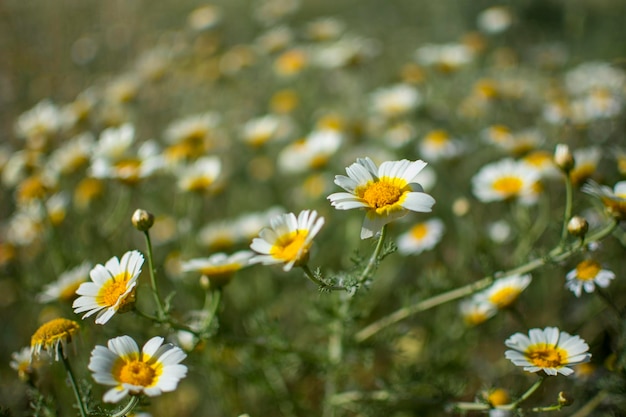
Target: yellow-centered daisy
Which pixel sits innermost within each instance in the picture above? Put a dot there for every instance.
(386, 192)
(587, 275)
(152, 371)
(287, 240)
(505, 291)
(52, 337)
(548, 350)
(219, 267)
(613, 199)
(506, 179)
(112, 289)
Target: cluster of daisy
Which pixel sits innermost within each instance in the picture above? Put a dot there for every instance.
(223, 132)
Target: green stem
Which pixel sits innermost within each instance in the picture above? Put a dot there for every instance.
(567, 214)
(134, 400)
(467, 406)
(524, 396)
(70, 374)
(555, 255)
(373, 261)
(153, 284)
(335, 355)
(323, 285)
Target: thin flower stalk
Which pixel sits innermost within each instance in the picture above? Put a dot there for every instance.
(373, 261)
(155, 290)
(79, 399)
(555, 255)
(567, 214)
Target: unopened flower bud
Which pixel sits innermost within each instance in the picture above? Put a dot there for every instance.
(563, 158)
(565, 399)
(142, 220)
(577, 226)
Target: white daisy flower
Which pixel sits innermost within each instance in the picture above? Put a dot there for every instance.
(587, 275)
(396, 100)
(495, 19)
(200, 175)
(310, 153)
(504, 291)
(613, 199)
(219, 267)
(422, 236)
(40, 122)
(475, 311)
(65, 287)
(586, 163)
(386, 192)
(548, 350)
(506, 179)
(112, 289)
(438, 145)
(152, 371)
(258, 131)
(287, 240)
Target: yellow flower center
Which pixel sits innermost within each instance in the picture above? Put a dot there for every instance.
(581, 172)
(498, 396)
(136, 372)
(291, 246)
(475, 318)
(508, 186)
(546, 356)
(112, 291)
(52, 333)
(419, 231)
(381, 193)
(220, 270)
(199, 184)
(319, 161)
(87, 190)
(31, 188)
(504, 297)
(587, 270)
(128, 170)
(437, 138)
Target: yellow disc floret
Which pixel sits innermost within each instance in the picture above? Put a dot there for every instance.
(546, 356)
(587, 270)
(290, 246)
(51, 335)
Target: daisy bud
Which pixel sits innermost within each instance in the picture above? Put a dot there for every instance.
(578, 226)
(142, 220)
(565, 399)
(563, 158)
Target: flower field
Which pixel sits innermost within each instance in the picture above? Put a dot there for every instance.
(312, 208)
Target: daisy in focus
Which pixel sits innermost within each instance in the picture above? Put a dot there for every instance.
(548, 350)
(64, 289)
(219, 267)
(421, 237)
(613, 199)
(113, 287)
(587, 275)
(152, 371)
(386, 192)
(287, 240)
(506, 179)
(504, 291)
(53, 337)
